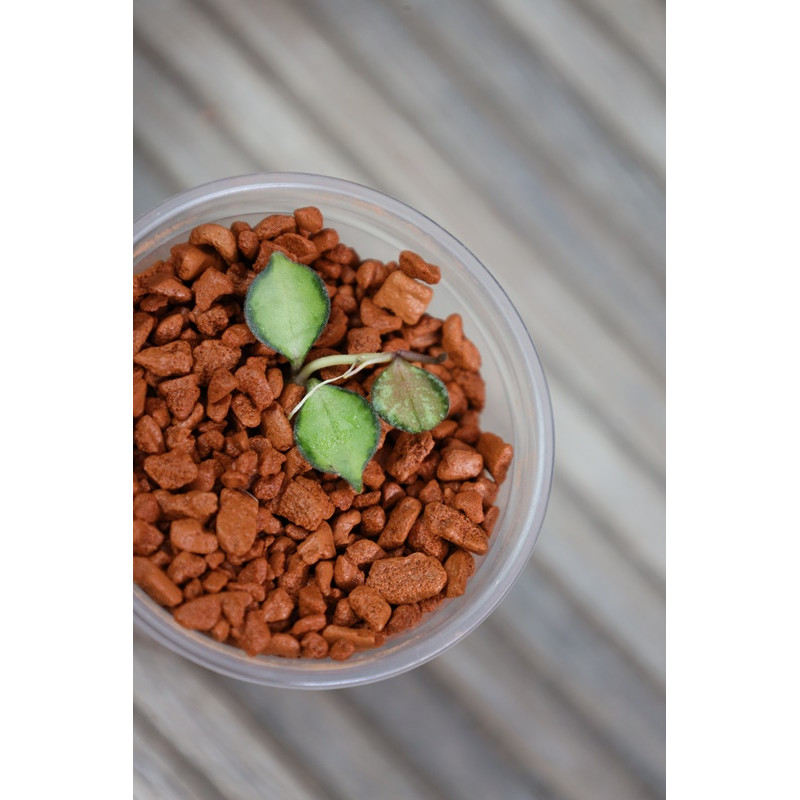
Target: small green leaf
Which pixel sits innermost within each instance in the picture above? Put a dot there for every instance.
(337, 431)
(286, 307)
(410, 398)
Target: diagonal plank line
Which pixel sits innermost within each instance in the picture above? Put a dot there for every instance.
(612, 33)
(522, 140)
(648, 780)
(554, 261)
(198, 782)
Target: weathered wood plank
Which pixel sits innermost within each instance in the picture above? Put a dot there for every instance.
(150, 185)
(605, 77)
(531, 723)
(202, 152)
(640, 24)
(217, 737)
(441, 740)
(235, 97)
(586, 671)
(627, 501)
(349, 757)
(160, 772)
(576, 248)
(521, 99)
(601, 579)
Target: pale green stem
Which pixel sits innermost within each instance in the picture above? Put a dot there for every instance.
(351, 370)
(355, 359)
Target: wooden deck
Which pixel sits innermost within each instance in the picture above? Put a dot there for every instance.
(533, 130)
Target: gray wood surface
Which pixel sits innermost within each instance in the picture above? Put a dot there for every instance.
(533, 130)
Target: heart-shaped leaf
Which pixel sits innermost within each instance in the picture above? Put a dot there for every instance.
(337, 431)
(409, 397)
(286, 307)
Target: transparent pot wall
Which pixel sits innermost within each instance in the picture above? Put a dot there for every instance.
(517, 408)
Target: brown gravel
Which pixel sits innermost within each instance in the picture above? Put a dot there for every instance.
(233, 530)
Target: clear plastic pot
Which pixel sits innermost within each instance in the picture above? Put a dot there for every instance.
(517, 408)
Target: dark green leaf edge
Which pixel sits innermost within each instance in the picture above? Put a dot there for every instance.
(254, 327)
(323, 468)
(436, 382)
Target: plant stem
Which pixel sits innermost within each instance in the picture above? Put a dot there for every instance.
(360, 358)
(340, 360)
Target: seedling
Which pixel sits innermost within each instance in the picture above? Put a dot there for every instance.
(337, 430)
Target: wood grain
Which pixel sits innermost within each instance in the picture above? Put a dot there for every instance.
(534, 132)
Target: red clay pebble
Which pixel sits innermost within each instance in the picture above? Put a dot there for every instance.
(310, 601)
(471, 503)
(146, 538)
(341, 650)
(256, 635)
(190, 261)
(188, 534)
(200, 614)
(236, 521)
(212, 355)
(459, 464)
(221, 384)
(142, 325)
(318, 545)
(416, 267)
(368, 603)
(409, 451)
(404, 296)
(497, 455)
(274, 225)
(180, 394)
(423, 540)
(185, 567)
(145, 507)
(139, 396)
(313, 646)
(404, 617)
(305, 503)
(359, 637)
(254, 383)
(171, 470)
(215, 581)
(407, 579)
(218, 237)
(174, 358)
(276, 427)
(343, 613)
(308, 219)
(278, 606)
(311, 622)
(346, 574)
(363, 552)
(283, 645)
(399, 523)
(147, 435)
(197, 505)
(155, 582)
(452, 525)
(459, 566)
(234, 605)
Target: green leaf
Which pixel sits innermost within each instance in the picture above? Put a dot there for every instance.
(286, 307)
(409, 397)
(337, 431)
